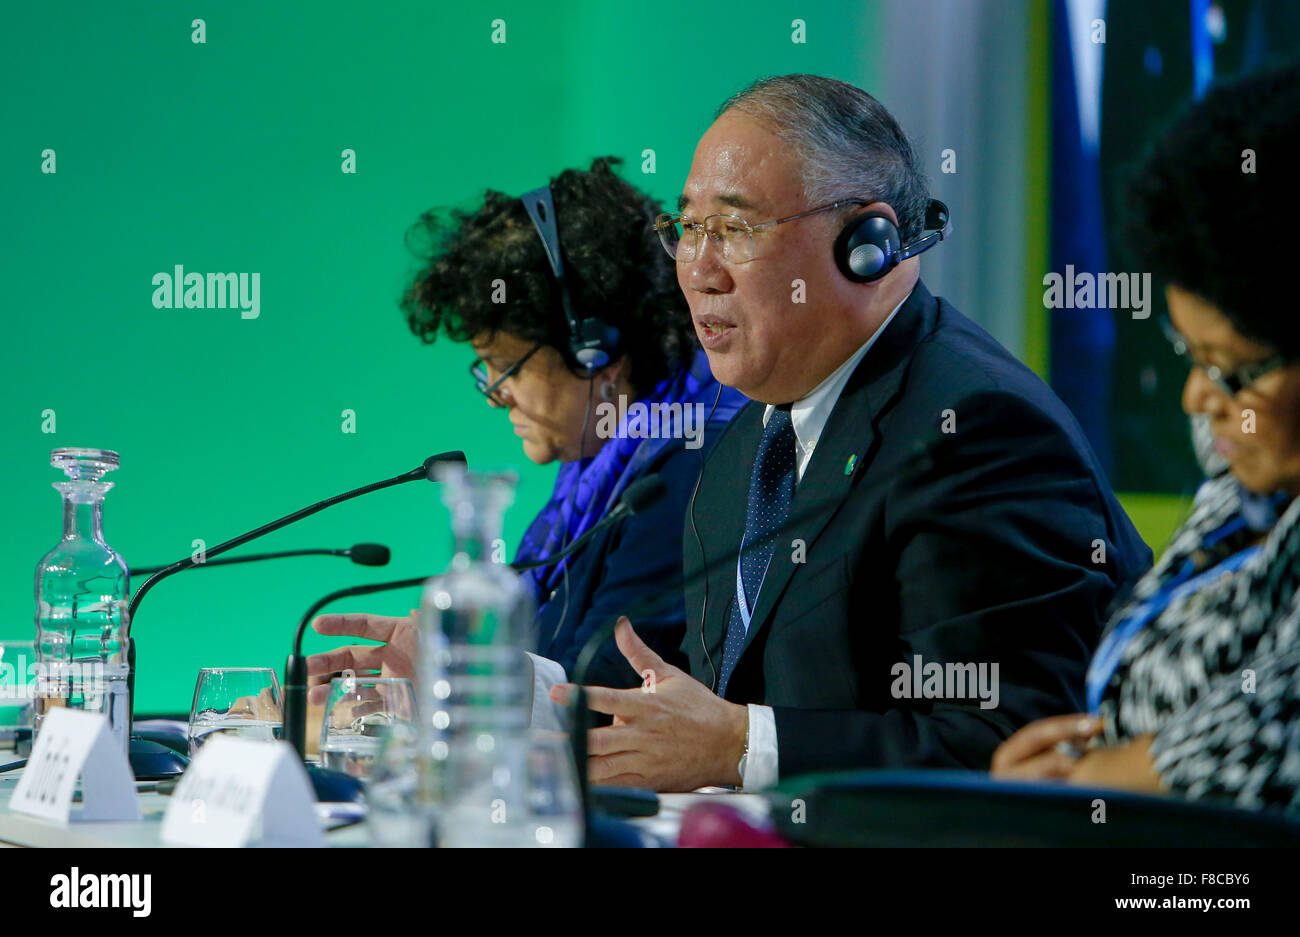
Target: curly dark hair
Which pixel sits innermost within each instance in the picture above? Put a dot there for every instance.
(1199, 222)
(614, 266)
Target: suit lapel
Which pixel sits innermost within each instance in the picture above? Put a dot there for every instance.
(844, 446)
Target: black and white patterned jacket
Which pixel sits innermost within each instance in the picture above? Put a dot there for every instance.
(1216, 674)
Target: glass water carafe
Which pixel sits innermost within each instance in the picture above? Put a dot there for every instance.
(82, 624)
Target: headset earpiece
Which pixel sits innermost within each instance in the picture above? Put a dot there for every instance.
(866, 248)
(593, 343)
(869, 246)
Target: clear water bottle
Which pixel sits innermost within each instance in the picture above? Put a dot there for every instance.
(82, 641)
(497, 782)
(401, 796)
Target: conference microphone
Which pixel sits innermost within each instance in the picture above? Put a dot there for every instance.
(422, 472)
(638, 496)
(363, 554)
(369, 554)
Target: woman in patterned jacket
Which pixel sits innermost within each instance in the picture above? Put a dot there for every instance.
(1195, 687)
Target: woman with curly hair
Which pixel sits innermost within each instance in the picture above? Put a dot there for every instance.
(487, 281)
(1195, 687)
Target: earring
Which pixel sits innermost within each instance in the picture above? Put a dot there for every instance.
(607, 390)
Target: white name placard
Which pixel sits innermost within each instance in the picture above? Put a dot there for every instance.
(74, 744)
(239, 792)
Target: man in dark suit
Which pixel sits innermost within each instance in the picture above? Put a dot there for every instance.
(921, 559)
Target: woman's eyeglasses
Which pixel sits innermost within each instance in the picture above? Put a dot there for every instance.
(1230, 382)
(478, 370)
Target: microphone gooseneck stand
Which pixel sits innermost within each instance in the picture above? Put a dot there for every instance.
(363, 554)
(425, 471)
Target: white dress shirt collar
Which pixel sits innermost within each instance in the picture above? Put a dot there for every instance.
(810, 412)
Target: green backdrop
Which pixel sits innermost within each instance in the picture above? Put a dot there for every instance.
(225, 156)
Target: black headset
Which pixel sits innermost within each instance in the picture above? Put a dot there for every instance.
(593, 343)
(869, 246)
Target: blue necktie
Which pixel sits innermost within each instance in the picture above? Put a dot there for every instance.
(771, 489)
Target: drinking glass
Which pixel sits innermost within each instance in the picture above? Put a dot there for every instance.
(360, 713)
(243, 702)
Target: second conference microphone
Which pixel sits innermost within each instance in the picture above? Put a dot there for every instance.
(423, 472)
(363, 554)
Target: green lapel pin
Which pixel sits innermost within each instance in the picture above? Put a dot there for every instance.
(848, 466)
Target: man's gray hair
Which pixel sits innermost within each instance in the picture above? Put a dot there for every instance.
(849, 144)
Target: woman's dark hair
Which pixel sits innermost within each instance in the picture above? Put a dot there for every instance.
(614, 266)
(1198, 220)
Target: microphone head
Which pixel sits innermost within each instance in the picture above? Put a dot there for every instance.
(369, 554)
(429, 464)
(642, 493)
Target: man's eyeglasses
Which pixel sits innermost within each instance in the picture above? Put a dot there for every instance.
(1232, 382)
(478, 370)
(681, 236)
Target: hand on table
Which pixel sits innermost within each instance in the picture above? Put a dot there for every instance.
(671, 734)
(1037, 752)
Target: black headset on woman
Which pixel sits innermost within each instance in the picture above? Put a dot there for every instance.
(593, 343)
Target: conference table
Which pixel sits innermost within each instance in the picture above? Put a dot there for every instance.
(21, 830)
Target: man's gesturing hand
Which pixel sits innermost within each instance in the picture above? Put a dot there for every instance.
(670, 734)
(394, 658)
